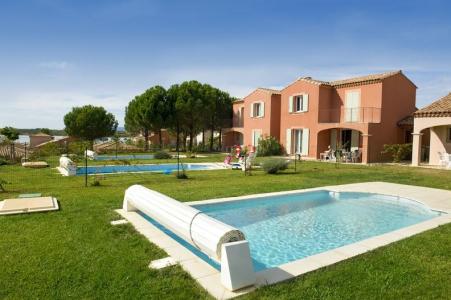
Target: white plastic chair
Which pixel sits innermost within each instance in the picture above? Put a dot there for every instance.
(444, 160)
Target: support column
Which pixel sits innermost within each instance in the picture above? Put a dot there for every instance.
(416, 149)
(365, 148)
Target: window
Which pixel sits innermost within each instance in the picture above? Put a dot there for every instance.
(256, 137)
(297, 141)
(258, 109)
(352, 106)
(448, 136)
(298, 103)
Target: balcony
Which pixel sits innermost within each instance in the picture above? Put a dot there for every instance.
(238, 122)
(350, 115)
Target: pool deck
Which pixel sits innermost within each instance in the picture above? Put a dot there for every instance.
(210, 278)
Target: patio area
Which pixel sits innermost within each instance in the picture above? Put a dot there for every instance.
(432, 135)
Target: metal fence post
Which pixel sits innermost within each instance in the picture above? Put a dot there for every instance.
(86, 167)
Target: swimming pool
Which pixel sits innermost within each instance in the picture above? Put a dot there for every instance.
(289, 227)
(124, 157)
(161, 168)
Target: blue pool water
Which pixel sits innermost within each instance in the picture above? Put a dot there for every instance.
(162, 168)
(289, 227)
(124, 157)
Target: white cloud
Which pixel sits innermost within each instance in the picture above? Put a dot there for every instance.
(55, 65)
(47, 109)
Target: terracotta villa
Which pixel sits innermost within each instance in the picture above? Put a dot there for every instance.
(308, 116)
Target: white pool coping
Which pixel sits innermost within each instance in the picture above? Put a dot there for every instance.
(209, 278)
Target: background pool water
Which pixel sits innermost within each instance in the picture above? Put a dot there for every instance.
(162, 168)
(124, 157)
(289, 227)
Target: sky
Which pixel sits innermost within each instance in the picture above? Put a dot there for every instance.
(57, 54)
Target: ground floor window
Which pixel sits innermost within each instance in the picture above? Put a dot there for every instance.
(297, 141)
(297, 133)
(448, 136)
(256, 134)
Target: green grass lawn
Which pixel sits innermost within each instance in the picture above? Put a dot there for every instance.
(76, 253)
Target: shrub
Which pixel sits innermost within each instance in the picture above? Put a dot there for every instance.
(398, 152)
(268, 146)
(162, 155)
(3, 161)
(272, 166)
(181, 175)
(2, 183)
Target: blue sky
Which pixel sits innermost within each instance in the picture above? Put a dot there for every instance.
(56, 54)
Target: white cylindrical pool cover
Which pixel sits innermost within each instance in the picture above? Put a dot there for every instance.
(195, 227)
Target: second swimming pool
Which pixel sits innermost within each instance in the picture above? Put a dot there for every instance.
(161, 168)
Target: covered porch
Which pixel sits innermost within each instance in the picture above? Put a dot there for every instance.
(342, 144)
(432, 126)
(233, 137)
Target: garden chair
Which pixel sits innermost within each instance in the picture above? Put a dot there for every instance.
(444, 159)
(355, 156)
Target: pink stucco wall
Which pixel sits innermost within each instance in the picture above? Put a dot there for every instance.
(382, 105)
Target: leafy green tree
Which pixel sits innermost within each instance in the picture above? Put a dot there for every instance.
(45, 130)
(89, 123)
(190, 107)
(10, 133)
(148, 112)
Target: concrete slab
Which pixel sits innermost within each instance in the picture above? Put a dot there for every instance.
(162, 263)
(28, 205)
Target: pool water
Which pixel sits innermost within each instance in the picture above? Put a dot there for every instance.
(161, 168)
(284, 228)
(124, 157)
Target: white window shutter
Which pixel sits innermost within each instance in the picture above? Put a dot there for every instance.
(288, 141)
(305, 141)
(290, 104)
(305, 102)
(262, 108)
(252, 110)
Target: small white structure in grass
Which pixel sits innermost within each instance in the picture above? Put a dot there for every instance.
(67, 167)
(221, 242)
(91, 154)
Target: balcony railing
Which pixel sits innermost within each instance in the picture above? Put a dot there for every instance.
(238, 122)
(350, 115)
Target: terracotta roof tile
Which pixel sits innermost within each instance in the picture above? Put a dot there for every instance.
(407, 121)
(364, 79)
(439, 108)
(271, 91)
(373, 78)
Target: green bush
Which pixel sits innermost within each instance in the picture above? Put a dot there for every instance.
(2, 183)
(272, 166)
(268, 146)
(3, 161)
(398, 152)
(162, 155)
